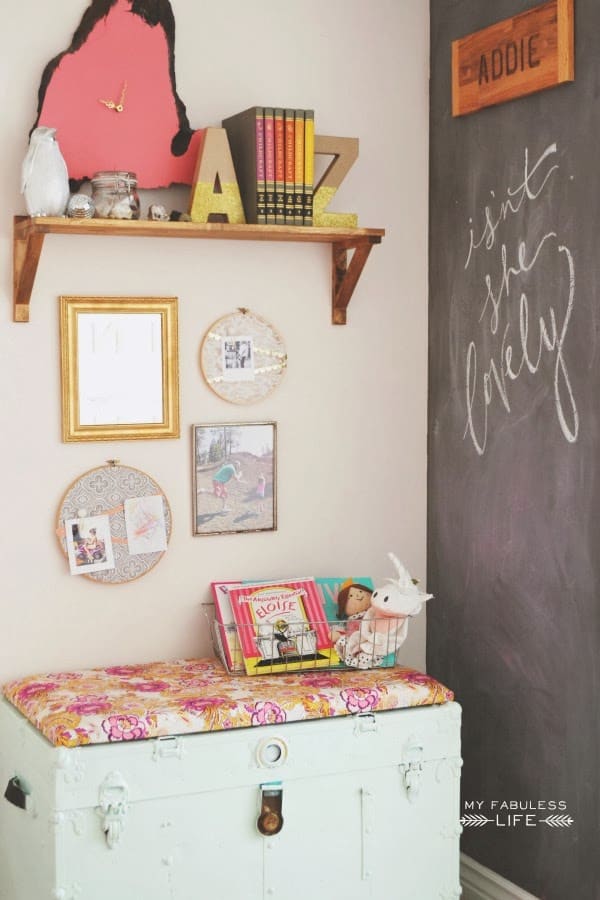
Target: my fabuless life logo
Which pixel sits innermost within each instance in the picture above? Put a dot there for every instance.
(516, 814)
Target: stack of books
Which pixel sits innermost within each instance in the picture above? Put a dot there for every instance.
(273, 152)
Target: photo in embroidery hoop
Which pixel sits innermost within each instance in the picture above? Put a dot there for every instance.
(242, 357)
(102, 492)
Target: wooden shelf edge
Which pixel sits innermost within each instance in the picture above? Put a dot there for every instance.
(219, 230)
(29, 233)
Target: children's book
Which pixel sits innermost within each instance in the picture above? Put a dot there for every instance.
(282, 626)
(226, 627)
(338, 596)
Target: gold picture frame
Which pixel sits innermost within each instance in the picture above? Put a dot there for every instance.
(119, 368)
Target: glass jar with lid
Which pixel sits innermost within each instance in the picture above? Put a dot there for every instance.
(115, 195)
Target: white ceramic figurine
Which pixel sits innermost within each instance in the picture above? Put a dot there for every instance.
(384, 626)
(44, 177)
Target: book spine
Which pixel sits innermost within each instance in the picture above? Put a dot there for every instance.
(279, 168)
(269, 166)
(309, 166)
(261, 217)
(224, 618)
(245, 135)
(298, 166)
(289, 134)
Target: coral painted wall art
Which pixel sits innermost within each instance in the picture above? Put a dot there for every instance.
(112, 96)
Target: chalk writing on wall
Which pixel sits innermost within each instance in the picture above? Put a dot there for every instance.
(509, 343)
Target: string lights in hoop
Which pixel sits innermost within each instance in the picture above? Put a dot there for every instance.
(242, 357)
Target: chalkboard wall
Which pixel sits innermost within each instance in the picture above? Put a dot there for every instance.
(514, 457)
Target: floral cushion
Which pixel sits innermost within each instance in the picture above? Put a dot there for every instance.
(130, 703)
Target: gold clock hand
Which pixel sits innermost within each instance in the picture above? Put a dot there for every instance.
(120, 105)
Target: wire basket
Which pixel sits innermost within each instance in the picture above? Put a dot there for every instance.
(296, 648)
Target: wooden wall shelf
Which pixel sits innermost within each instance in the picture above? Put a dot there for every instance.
(29, 233)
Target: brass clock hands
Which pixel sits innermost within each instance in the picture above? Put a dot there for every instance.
(118, 107)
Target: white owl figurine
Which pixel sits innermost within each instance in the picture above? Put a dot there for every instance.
(44, 176)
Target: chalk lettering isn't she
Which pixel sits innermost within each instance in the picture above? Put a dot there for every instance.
(509, 58)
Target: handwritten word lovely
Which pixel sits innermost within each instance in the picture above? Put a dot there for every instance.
(517, 343)
(524, 353)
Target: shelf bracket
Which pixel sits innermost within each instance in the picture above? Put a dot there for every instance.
(345, 275)
(27, 248)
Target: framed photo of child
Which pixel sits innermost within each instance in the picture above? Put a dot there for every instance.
(234, 477)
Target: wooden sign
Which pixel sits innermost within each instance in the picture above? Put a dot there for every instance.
(527, 53)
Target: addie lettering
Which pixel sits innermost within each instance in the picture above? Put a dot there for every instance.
(509, 58)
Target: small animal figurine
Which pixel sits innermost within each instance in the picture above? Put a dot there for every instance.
(44, 177)
(158, 213)
(384, 626)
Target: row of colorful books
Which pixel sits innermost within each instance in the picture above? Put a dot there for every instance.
(267, 627)
(273, 151)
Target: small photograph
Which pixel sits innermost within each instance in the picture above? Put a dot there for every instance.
(234, 478)
(89, 545)
(238, 359)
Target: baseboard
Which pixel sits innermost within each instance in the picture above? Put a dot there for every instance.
(480, 883)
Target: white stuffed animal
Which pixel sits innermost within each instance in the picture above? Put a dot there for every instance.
(384, 626)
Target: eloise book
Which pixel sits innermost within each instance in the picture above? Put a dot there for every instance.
(227, 630)
(281, 627)
(226, 627)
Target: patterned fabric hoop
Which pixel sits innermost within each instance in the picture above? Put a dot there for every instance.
(102, 491)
